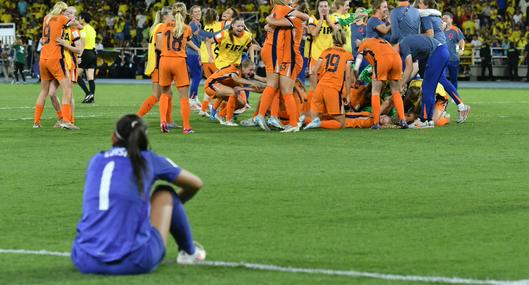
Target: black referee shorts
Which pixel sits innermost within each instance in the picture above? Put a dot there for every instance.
(88, 59)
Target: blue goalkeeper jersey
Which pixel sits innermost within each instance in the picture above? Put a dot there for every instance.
(116, 219)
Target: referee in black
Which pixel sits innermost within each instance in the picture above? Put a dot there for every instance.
(88, 58)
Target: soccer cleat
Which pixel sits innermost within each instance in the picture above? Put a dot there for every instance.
(188, 131)
(274, 122)
(203, 114)
(219, 119)
(212, 113)
(230, 124)
(403, 124)
(316, 123)
(240, 111)
(173, 125)
(418, 124)
(290, 129)
(58, 124)
(36, 126)
(463, 114)
(164, 128)
(376, 127)
(248, 123)
(89, 98)
(301, 120)
(68, 126)
(185, 258)
(260, 120)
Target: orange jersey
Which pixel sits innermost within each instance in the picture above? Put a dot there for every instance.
(71, 36)
(171, 46)
(224, 76)
(375, 50)
(334, 64)
(50, 32)
(292, 42)
(279, 12)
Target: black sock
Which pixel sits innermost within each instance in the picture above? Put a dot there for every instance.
(92, 85)
(82, 84)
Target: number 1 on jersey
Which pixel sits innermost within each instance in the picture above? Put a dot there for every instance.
(104, 187)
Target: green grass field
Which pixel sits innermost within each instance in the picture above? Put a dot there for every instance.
(449, 201)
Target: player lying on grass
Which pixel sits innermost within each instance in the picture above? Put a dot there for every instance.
(226, 85)
(124, 228)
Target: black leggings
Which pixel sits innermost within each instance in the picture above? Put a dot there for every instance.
(19, 67)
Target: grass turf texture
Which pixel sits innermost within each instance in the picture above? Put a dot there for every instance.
(448, 201)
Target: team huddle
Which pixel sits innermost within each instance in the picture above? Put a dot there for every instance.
(356, 81)
(363, 73)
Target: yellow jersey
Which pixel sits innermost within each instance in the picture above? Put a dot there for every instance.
(347, 29)
(152, 55)
(231, 52)
(439, 91)
(89, 35)
(211, 28)
(70, 36)
(324, 39)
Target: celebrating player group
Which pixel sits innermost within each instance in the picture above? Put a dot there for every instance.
(370, 68)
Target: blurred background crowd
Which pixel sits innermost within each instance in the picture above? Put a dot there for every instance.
(498, 24)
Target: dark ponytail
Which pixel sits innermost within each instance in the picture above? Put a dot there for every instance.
(231, 32)
(131, 133)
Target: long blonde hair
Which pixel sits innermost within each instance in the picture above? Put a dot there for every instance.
(180, 12)
(159, 17)
(57, 9)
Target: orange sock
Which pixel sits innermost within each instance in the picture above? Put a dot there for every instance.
(67, 113)
(186, 112)
(306, 105)
(59, 114)
(292, 110)
(216, 105)
(399, 105)
(205, 103)
(164, 104)
(274, 108)
(266, 100)
(170, 110)
(38, 113)
(230, 107)
(223, 110)
(375, 105)
(330, 124)
(147, 105)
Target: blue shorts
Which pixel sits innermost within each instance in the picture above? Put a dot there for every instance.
(143, 260)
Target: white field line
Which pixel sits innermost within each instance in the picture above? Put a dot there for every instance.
(321, 271)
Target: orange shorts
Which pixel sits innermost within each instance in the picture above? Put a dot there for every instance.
(327, 100)
(358, 122)
(73, 74)
(388, 69)
(155, 76)
(286, 69)
(208, 68)
(52, 69)
(211, 89)
(173, 69)
(271, 63)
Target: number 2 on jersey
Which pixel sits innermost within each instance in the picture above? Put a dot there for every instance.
(176, 44)
(332, 62)
(104, 187)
